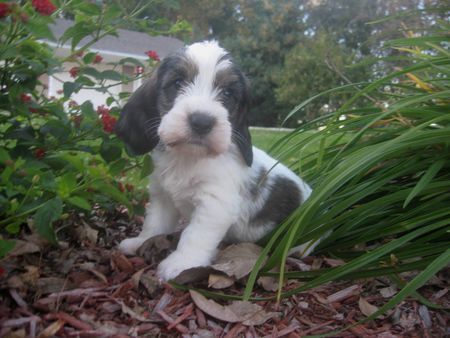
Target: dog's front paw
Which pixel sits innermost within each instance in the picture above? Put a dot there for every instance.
(177, 262)
(129, 246)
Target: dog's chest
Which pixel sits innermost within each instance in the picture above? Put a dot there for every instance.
(184, 181)
(189, 181)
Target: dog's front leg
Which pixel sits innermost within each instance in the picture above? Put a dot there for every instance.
(161, 217)
(199, 241)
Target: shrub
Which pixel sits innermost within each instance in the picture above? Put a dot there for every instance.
(57, 155)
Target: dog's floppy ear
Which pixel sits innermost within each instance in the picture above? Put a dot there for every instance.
(140, 118)
(241, 133)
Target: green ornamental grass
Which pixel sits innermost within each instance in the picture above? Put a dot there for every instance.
(381, 178)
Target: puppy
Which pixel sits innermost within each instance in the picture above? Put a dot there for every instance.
(192, 115)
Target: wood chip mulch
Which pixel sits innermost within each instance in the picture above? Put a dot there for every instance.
(86, 288)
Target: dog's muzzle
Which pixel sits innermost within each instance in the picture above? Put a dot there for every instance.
(201, 123)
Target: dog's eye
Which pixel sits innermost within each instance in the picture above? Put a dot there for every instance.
(178, 83)
(227, 93)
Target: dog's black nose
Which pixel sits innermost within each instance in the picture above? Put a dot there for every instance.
(201, 123)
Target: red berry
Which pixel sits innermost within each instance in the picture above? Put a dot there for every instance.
(39, 153)
(109, 122)
(102, 110)
(5, 9)
(98, 58)
(121, 188)
(74, 71)
(152, 55)
(26, 98)
(43, 7)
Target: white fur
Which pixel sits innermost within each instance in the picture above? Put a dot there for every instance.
(205, 182)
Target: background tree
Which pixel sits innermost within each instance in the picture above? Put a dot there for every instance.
(265, 32)
(293, 49)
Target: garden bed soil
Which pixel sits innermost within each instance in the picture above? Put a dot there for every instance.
(86, 288)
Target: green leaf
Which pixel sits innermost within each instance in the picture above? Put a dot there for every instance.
(57, 129)
(91, 71)
(39, 28)
(79, 202)
(116, 167)
(6, 246)
(147, 166)
(89, 57)
(133, 61)
(77, 32)
(111, 75)
(112, 11)
(424, 181)
(88, 110)
(14, 227)
(45, 216)
(89, 9)
(4, 156)
(110, 150)
(111, 191)
(66, 184)
(71, 87)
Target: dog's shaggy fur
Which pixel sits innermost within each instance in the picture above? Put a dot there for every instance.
(193, 114)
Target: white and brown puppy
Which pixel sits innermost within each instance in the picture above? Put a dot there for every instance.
(193, 114)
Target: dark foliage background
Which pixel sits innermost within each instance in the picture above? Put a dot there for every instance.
(294, 49)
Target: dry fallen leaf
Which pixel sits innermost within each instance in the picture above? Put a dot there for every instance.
(268, 283)
(91, 234)
(343, 294)
(155, 249)
(51, 330)
(388, 292)
(217, 281)
(121, 261)
(237, 312)
(425, 316)
(366, 308)
(48, 285)
(129, 311)
(334, 262)
(151, 283)
(24, 247)
(409, 320)
(237, 260)
(193, 275)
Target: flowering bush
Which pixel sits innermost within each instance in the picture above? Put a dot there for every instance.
(56, 154)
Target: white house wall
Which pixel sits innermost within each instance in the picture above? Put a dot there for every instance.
(55, 83)
(55, 86)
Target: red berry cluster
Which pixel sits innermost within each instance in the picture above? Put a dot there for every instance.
(5, 9)
(39, 153)
(152, 55)
(44, 7)
(98, 58)
(25, 98)
(108, 121)
(128, 187)
(74, 71)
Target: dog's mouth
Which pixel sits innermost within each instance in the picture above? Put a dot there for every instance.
(194, 146)
(196, 142)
